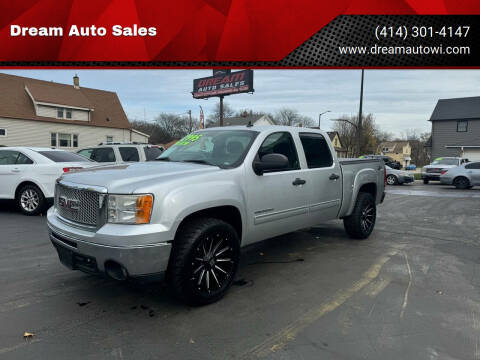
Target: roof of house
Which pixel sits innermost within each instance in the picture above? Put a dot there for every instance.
(16, 103)
(393, 146)
(241, 120)
(457, 108)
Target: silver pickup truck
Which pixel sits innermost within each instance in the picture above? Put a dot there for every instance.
(187, 214)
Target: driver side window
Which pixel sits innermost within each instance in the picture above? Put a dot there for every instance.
(280, 143)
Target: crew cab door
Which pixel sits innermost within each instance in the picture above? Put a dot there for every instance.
(325, 177)
(277, 200)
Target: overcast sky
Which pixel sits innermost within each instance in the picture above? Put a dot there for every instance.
(399, 99)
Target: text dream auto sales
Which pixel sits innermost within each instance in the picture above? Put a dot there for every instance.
(236, 80)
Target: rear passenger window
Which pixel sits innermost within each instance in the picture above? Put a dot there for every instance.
(23, 159)
(281, 143)
(103, 155)
(316, 150)
(475, 165)
(151, 152)
(129, 153)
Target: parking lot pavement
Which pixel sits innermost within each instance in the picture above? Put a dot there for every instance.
(411, 291)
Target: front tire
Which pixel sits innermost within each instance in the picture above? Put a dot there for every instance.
(360, 224)
(204, 261)
(392, 180)
(30, 200)
(461, 183)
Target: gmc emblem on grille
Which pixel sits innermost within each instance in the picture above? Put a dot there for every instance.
(71, 204)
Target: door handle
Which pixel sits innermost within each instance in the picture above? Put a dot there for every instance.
(298, 181)
(16, 170)
(334, 177)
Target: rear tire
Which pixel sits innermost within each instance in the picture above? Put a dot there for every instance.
(425, 181)
(360, 224)
(30, 200)
(461, 183)
(204, 261)
(392, 180)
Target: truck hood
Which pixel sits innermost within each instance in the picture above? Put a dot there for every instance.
(126, 178)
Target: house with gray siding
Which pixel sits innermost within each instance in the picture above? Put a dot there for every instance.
(456, 128)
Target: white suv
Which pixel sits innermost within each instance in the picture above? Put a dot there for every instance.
(121, 152)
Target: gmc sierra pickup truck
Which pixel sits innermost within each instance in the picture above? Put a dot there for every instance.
(186, 215)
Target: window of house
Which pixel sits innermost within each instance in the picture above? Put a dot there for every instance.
(129, 153)
(75, 140)
(3, 132)
(281, 143)
(60, 113)
(53, 139)
(462, 126)
(65, 140)
(109, 139)
(316, 150)
(68, 113)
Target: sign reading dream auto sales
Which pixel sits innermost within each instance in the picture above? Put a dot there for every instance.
(223, 84)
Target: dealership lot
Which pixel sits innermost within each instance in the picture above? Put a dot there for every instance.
(410, 291)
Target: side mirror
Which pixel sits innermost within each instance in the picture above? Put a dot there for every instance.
(270, 162)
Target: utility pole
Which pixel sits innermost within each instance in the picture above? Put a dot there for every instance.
(320, 116)
(221, 110)
(359, 127)
(190, 116)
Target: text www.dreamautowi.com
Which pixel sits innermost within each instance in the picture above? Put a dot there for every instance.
(404, 50)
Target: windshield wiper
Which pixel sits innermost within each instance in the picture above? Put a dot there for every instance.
(199, 162)
(166, 158)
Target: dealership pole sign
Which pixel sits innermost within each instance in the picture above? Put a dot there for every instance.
(223, 84)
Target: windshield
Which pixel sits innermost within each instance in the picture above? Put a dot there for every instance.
(63, 156)
(223, 148)
(445, 161)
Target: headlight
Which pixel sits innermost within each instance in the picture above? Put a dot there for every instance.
(130, 209)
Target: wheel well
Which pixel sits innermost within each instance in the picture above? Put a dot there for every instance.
(370, 188)
(22, 184)
(229, 214)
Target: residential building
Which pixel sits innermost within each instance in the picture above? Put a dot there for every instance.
(398, 150)
(43, 113)
(246, 118)
(456, 128)
(337, 144)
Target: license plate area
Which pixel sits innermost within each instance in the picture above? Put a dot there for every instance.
(76, 261)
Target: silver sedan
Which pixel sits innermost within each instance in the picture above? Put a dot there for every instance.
(462, 177)
(398, 177)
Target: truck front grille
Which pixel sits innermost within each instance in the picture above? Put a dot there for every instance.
(79, 205)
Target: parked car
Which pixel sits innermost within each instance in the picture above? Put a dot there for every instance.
(464, 176)
(121, 152)
(386, 159)
(215, 190)
(398, 177)
(411, 167)
(434, 170)
(28, 174)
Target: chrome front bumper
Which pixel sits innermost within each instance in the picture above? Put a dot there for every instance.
(141, 250)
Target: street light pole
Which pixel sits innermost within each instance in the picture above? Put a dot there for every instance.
(359, 127)
(320, 116)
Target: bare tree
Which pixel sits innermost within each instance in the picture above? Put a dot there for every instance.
(346, 126)
(166, 127)
(291, 117)
(214, 118)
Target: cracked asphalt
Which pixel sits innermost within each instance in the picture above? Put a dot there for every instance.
(411, 291)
